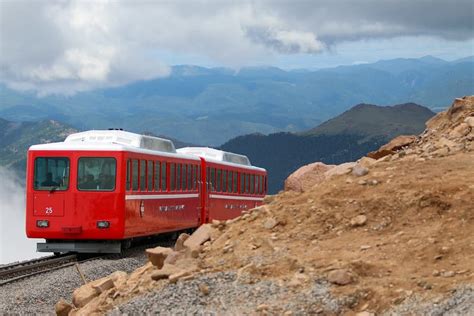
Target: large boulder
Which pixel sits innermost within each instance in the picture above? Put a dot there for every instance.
(306, 177)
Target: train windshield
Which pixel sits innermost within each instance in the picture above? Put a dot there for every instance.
(51, 173)
(96, 174)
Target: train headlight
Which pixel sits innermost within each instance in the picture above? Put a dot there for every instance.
(103, 224)
(42, 223)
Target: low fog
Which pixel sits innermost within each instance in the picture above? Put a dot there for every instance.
(14, 245)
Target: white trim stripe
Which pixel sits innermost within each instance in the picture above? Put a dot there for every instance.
(159, 196)
(234, 197)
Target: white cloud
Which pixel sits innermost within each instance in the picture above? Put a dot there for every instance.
(65, 46)
(14, 245)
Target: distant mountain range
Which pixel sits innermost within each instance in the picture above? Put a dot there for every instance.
(346, 137)
(209, 106)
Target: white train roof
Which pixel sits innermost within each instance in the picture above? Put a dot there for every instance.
(122, 138)
(215, 154)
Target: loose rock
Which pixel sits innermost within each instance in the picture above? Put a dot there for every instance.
(359, 220)
(359, 171)
(62, 308)
(340, 277)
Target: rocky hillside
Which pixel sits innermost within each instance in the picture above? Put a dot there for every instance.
(391, 235)
(347, 137)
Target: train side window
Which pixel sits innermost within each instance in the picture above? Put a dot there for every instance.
(184, 186)
(247, 183)
(242, 182)
(157, 178)
(236, 182)
(262, 191)
(195, 177)
(172, 177)
(127, 182)
(189, 177)
(135, 175)
(178, 176)
(142, 175)
(230, 178)
(150, 175)
(218, 180)
(257, 184)
(224, 180)
(213, 179)
(163, 176)
(252, 184)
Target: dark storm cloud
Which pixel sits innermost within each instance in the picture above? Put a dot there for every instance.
(335, 21)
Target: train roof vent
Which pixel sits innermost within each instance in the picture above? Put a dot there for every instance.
(215, 154)
(123, 138)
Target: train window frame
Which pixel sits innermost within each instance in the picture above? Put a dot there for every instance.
(50, 188)
(97, 189)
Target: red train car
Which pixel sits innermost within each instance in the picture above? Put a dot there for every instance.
(98, 190)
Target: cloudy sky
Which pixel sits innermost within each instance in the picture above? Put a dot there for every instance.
(68, 46)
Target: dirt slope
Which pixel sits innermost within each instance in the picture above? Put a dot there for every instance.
(401, 231)
(418, 235)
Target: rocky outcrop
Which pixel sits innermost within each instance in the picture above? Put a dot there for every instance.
(393, 146)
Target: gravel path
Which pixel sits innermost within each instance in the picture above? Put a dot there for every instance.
(38, 294)
(226, 296)
(461, 302)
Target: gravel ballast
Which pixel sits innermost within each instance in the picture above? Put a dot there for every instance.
(39, 294)
(228, 296)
